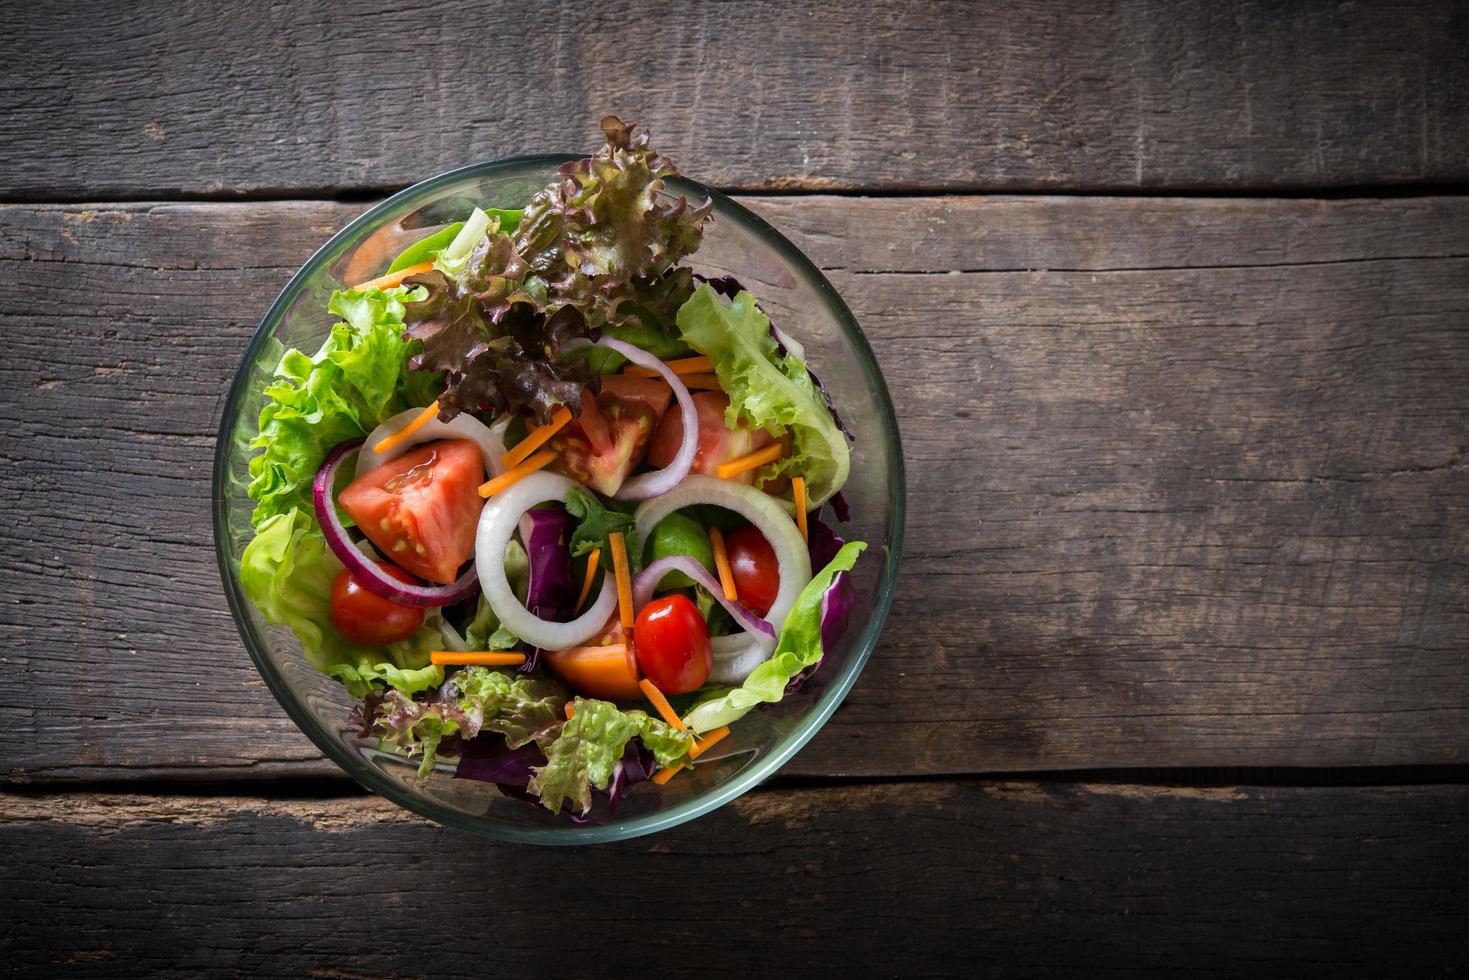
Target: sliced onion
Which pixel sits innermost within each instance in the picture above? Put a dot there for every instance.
(491, 440)
(497, 522)
(452, 639)
(649, 577)
(736, 655)
(659, 481)
(364, 570)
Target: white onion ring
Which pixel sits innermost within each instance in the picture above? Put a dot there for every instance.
(659, 481)
(738, 654)
(649, 577)
(363, 569)
(462, 426)
(497, 523)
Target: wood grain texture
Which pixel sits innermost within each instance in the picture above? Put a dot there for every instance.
(276, 98)
(1187, 482)
(929, 879)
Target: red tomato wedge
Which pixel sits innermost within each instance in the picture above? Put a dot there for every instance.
(610, 438)
(718, 443)
(421, 509)
(608, 669)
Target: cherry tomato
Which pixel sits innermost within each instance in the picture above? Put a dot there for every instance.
(672, 644)
(756, 573)
(365, 618)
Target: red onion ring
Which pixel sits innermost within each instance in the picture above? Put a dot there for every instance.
(661, 481)
(647, 580)
(374, 579)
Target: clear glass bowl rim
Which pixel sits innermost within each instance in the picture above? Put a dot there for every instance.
(569, 833)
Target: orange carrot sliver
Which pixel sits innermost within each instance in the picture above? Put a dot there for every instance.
(536, 438)
(662, 776)
(798, 491)
(688, 365)
(419, 421)
(570, 711)
(708, 741)
(396, 278)
(721, 562)
(665, 710)
(624, 579)
(586, 585)
(477, 658)
(746, 463)
(515, 474)
(701, 381)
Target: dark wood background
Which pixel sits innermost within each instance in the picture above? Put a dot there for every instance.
(1174, 302)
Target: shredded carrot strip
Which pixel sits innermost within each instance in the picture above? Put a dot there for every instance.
(570, 711)
(420, 420)
(689, 365)
(721, 562)
(745, 464)
(651, 692)
(396, 278)
(662, 776)
(701, 381)
(480, 658)
(586, 585)
(536, 438)
(708, 741)
(515, 474)
(798, 491)
(624, 579)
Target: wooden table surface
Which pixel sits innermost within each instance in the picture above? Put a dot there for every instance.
(1173, 299)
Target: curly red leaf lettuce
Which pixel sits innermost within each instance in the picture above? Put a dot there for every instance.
(594, 250)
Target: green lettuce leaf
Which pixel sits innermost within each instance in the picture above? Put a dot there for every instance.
(287, 572)
(670, 746)
(426, 248)
(430, 246)
(590, 744)
(356, 380)
(767, 390)
(799, 648)
(486, 632)
(595, 523)
(471, 700)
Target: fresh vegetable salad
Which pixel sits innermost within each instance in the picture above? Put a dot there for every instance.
(549, 503)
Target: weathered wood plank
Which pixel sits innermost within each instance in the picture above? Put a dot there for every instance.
(275, 98)
(1207, 506)
(930, 879)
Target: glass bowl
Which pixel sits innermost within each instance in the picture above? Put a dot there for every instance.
(796, 296)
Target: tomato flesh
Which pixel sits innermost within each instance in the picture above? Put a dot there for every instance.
(756, 572)
(673, 644)
(421, 509)
(610, 438)
(372, 620)
(718, 443)
(606, 669)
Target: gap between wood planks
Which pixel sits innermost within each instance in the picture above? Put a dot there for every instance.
(371, 194)
(1153, 779)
